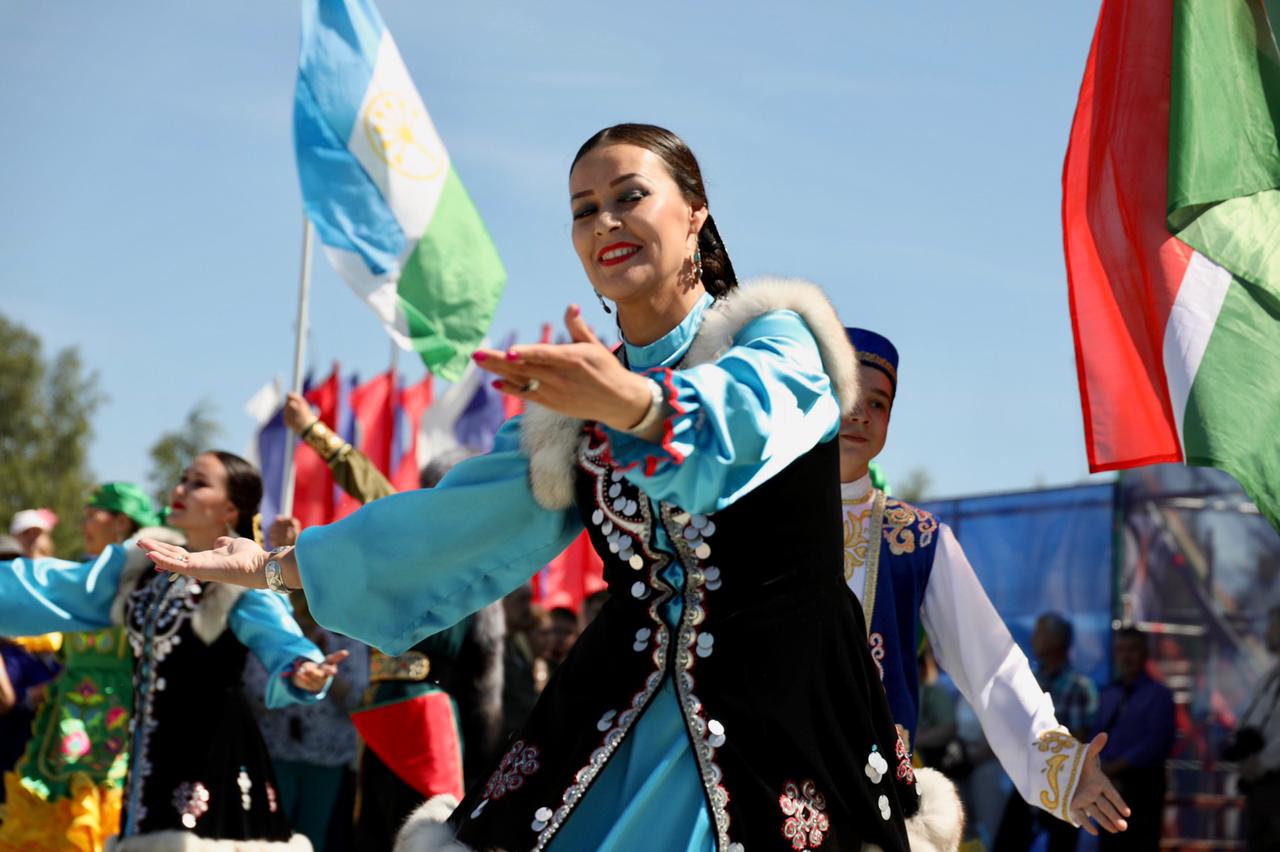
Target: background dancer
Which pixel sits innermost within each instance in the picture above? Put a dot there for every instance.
(196, 760)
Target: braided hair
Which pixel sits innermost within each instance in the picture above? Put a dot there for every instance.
(718, 276)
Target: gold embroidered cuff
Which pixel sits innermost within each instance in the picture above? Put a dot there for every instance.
(324, 441)
(410, 666)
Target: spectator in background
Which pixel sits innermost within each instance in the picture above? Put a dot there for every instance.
(1136, 713)
(519, 692)
(1075, 704)
(591, 606)
(313, 746)
(31, 527)
(1255, 744)
(936, 732)
(22, 677)
(563, 633)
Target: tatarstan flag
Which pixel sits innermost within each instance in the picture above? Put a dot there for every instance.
(1171, 220)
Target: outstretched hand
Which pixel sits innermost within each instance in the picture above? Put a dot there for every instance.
(1096, 798)
(581, 379)
(239, 561)
(311, 677)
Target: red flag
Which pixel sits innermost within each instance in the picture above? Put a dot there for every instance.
(571, 577)
(372, 409)
(313, 482)
(411, 403)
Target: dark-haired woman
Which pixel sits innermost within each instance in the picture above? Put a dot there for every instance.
(197, 765)
(724, 698)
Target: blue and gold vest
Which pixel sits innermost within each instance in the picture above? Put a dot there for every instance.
(893, 593)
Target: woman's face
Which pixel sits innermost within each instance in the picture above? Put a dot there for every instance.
(102, 527)
(200, 501)
(633, 230)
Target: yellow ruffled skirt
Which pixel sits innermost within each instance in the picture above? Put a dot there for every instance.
(82, 821)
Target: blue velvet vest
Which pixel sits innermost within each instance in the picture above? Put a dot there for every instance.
(908, 540)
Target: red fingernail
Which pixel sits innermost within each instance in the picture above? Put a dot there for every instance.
(479, 356)
(497, 385)
(577, 311)
(512, 355)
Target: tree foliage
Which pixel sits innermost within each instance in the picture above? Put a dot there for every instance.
(46, 408)
(173, 451)
(915, 486)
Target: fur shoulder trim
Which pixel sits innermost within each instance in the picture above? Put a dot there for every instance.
(210, 618)
(426, 829)
(185, 841)
(548, 440)
(938, 825)
(136, 564)
(728, 316)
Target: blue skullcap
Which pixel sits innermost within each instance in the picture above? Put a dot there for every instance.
(875, 350)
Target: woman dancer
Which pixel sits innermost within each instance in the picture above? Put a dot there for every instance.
(724, 698)
(197, 764)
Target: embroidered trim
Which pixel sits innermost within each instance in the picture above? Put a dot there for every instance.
(873, 564)
(191, 800)
(708, 735)
(517, 764)
(409, 666)
(806, 822)
(596, 461)
(876, 642)
(900, 518)
(905, 773)
(1053, 743)
(664, 376)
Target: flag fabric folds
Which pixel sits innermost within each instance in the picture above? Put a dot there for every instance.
(1171, 207)
(382, 192)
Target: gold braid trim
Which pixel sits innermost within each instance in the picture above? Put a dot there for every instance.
(873, 559)
(325, 441)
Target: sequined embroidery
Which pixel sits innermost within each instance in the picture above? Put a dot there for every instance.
(520, 761)
(806, 822)
(191, 799)
(626, 511)
(856, 539)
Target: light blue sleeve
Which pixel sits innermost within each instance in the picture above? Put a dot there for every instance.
(410, 565)
(263, 622)
(53, 595)
(738, 421)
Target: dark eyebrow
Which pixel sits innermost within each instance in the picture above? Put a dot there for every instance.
(613, 182)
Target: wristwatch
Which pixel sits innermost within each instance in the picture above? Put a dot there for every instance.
(275, 571)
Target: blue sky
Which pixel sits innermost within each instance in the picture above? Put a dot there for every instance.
(906, 158)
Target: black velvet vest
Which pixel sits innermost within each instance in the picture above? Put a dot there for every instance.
(782, 704)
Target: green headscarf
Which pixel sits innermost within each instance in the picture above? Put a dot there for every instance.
(127, 499)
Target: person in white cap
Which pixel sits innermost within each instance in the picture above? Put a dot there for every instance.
(31, 527)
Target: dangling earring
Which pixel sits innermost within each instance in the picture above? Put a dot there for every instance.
(697, 265)
(603, 304)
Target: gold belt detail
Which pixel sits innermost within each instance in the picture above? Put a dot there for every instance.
(411, 666)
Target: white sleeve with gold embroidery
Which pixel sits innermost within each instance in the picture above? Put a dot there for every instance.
(972, 644)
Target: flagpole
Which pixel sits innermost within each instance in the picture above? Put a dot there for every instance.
(299, 355)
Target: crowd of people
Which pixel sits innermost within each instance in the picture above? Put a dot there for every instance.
(749, 680)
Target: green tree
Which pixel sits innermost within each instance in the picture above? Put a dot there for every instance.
(173, 451)
(46, 409)
(915, 486)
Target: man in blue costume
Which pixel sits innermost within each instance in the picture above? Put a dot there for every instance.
(910, 573)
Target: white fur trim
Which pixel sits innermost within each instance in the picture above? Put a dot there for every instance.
(210, 618)
(726, 317)
(938, 825)
(549, 439)
(185, 841)
(426, 831)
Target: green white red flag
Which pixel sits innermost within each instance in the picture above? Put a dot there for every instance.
(1171, 221)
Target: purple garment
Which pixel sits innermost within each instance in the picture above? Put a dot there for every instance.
(1138, 720)
(25, 671)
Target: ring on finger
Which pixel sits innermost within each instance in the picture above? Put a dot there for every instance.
(530, 386)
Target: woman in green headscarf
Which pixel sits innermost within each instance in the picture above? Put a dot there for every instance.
(66, 791)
